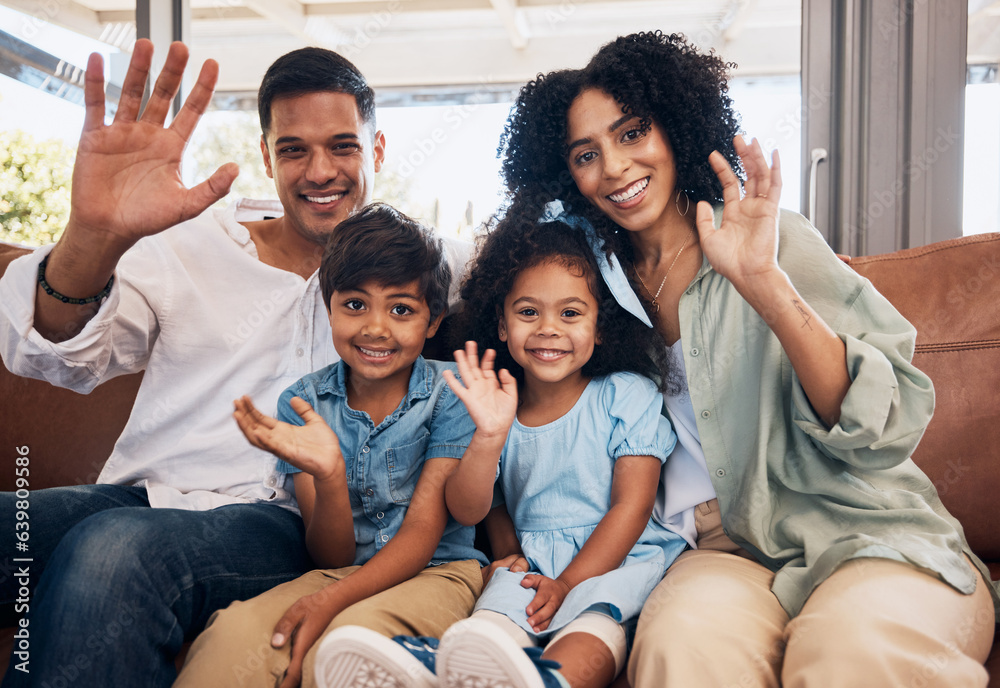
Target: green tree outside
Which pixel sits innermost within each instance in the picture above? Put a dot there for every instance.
(35, 181)
(229, 136)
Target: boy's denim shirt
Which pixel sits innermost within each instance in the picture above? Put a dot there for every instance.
(384, 462)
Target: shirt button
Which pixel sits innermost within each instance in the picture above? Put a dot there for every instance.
(369, 492)
(706, 414)
(365, 449)
(695, 352)
(690, 290)
(385, 538)
(271, 482)
(721, 472)
(379, 515)
(300, 351)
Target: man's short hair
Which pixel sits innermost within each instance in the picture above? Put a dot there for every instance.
(312, 70)
(382, 245)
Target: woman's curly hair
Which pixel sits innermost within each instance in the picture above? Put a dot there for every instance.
(517, 241)
(659, 78)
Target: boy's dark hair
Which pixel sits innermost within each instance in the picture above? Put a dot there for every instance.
(659, 78)
(310, 70)
(381, 244)
(516, 242)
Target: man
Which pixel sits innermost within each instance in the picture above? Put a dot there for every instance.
(212, 305)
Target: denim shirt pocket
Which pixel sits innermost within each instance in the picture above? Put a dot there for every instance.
(403, 464)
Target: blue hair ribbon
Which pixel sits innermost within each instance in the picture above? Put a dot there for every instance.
(611, 270)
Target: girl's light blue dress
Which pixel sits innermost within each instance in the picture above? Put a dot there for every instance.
(556, 481)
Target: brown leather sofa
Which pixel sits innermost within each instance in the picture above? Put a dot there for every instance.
(949, 290)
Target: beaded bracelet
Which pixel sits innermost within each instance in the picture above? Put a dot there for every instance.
(69, 299)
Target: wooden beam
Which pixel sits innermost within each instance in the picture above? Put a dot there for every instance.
(288, 14)
(395, 6)
(69, 15)
(513, 20)
(742, 11)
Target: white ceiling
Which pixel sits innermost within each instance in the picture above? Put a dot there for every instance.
(470, 43)
(434, 42)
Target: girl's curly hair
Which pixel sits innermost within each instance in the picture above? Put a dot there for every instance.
(518, 241)
(659, 78)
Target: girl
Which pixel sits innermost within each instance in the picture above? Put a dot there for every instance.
(574, 438)
(824, 556)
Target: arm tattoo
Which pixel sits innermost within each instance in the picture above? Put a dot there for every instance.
(802, 311)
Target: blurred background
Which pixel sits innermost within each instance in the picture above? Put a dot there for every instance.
(886, 112)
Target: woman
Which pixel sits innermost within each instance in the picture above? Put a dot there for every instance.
(823, 554)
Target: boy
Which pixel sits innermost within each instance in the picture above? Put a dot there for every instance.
(370, 440)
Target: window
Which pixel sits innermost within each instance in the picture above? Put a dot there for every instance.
(981, 183)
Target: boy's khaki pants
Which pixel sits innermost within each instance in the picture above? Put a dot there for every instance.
(235, 647)
(713, 621)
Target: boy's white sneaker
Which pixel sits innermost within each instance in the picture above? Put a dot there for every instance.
(477, 654)
(357, 657)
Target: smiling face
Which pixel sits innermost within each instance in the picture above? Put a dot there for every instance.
(323, 159)
(550, 323)
(380, 330)
(623, 168)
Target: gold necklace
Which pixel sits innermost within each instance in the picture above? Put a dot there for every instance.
(653, 302)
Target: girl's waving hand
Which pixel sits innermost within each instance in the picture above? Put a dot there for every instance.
(491, 401)
(490, 398)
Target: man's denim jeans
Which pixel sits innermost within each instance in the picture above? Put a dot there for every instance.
(117, 587)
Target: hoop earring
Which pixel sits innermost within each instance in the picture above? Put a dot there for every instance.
(677, 201)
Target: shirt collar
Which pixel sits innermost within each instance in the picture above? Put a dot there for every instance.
(247, 210)
(420, 386)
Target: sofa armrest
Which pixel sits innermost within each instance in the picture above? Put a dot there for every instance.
(68, 435)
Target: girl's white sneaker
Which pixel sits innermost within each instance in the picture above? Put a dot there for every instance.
(357, 657)
(476, 654)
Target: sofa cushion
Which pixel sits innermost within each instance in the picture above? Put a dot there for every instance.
(69, 435)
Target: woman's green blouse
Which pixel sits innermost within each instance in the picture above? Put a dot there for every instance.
(802, 497)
